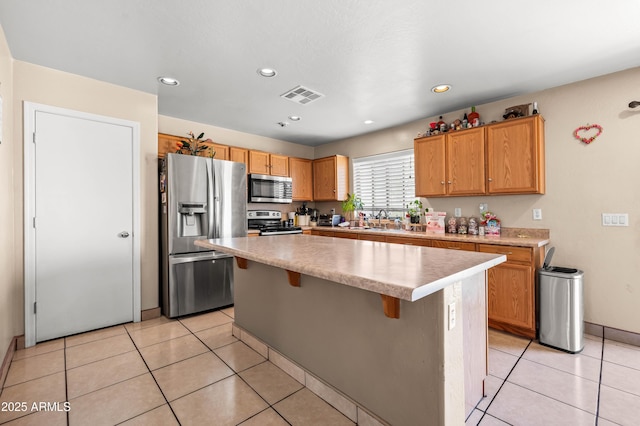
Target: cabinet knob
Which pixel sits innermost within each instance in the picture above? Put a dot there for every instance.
(490, 180)
(449, 182)
(441, 182)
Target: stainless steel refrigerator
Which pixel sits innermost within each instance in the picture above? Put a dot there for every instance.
(199, 198)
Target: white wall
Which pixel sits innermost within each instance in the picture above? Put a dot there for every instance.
(583, 181)
(47, 86)
(11, 287)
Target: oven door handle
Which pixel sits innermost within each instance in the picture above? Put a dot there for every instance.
(177, 259)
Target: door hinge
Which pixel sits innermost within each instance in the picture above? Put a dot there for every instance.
(34, 222)
(35, 308)
(34, 137)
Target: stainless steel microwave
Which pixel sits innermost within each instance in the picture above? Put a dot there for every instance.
(270, 189)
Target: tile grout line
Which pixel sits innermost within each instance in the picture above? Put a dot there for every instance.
(237, 373)
(485, 412)
(154, 380)
(600, 380)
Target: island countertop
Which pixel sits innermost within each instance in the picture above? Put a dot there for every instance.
(402, 271)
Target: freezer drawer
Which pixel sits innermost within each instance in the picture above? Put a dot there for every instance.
(198, 282)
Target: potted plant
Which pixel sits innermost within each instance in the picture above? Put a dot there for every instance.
(351, 204)
(414, 211)
(195, 145)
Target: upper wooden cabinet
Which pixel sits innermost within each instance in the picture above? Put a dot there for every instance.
(515, 156)
(169, 143)
(500, 158)
(301, 172)
(331, 178)
(239, 155)
(450, 164)
(265, 163)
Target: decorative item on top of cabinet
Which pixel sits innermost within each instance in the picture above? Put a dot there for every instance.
(301, 172)
(450, 164)
(265, 163)
(515, 156)
(331, 178)
(170, 143)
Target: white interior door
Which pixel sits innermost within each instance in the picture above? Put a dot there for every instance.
(83, 235)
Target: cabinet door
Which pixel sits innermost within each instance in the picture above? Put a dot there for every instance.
(301, 171)
(259, 162)
(222, 151)
(330, 178)
(239, 155)
(465, 162)
(429, 159)
(515, 156)
(167, 144)
(510, 296)
(278, 165)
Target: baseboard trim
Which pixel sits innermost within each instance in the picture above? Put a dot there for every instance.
(6, 362)
(148, 314)
(610, 333)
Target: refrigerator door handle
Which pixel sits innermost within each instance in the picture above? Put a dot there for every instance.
(212, 232)
(174, 260)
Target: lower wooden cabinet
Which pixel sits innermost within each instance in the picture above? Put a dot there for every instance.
(453, 245)
(511, 289)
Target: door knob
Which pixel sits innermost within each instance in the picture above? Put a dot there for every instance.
(123, 234)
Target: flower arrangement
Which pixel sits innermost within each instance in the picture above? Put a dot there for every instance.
(195, 145)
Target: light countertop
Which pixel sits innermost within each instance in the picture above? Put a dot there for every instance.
(402, 271)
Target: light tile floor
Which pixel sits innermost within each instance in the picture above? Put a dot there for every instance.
(193, 371)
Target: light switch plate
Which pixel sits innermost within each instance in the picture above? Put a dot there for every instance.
(457, 212)
(452, 315)
(537, 214)
(615, 219)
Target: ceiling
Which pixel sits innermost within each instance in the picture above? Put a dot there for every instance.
(372, 60)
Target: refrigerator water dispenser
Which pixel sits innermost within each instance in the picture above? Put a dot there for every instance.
(192, 219)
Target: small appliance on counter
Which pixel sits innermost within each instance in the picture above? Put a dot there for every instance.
(324, 220)
(270, 222)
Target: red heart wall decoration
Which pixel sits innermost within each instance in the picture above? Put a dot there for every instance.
(587, 139)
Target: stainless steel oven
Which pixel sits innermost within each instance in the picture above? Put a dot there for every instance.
(270, 189)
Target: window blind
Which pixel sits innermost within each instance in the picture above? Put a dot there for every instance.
(385, 181)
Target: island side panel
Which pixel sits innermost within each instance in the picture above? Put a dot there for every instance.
(474, 323)
(392, 367)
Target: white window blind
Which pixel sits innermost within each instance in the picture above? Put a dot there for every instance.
(385, 181)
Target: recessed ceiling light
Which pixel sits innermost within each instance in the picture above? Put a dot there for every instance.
(441, 88)
(168, 81)
(368, 121)
(294, 117)
(267, 72)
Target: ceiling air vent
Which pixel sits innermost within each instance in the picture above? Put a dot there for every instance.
(302, 95)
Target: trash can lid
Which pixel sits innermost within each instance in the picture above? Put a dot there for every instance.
(548, 257)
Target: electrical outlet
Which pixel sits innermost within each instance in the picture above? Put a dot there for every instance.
(484, 207)
(537, 214)
(452, 315)
(457, 212)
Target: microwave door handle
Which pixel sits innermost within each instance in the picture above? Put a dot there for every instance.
(211, 205)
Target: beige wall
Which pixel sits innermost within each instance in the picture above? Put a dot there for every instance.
(583, 181)
(11, 321)
(179, 127)
(47, 86)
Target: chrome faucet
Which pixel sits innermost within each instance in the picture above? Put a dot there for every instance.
(386, 214)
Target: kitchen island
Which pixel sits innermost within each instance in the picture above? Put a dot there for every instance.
(370, 319)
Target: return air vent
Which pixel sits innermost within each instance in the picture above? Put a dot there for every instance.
(302, 95)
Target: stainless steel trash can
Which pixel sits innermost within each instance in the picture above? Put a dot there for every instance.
(561, 306)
